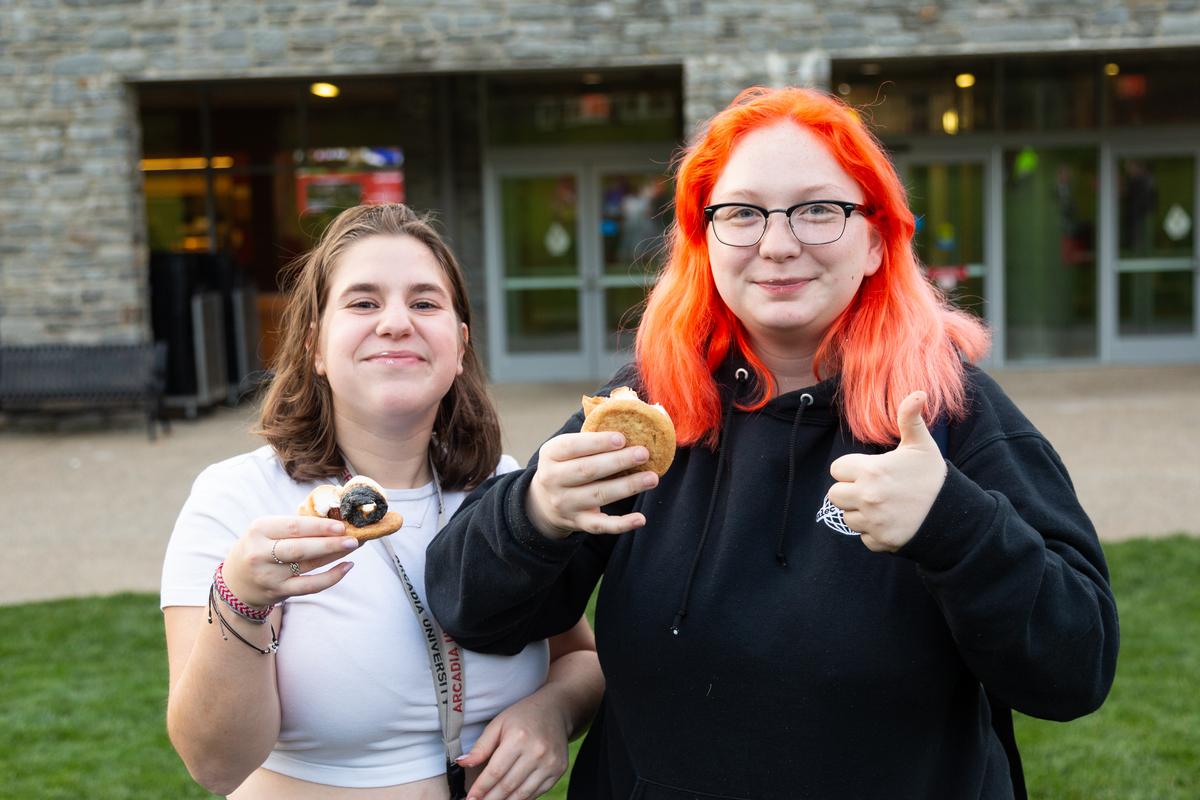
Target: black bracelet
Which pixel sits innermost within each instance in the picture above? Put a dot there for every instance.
(225, 626)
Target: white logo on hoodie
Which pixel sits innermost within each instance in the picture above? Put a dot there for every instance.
(832, 516)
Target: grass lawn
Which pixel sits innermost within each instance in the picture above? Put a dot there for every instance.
(82, 697)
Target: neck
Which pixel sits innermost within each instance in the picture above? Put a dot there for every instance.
(790, 366)
(395, 458)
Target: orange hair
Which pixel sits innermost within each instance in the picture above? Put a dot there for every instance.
(898, 334)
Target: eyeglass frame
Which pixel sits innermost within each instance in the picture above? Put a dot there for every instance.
(846, 207)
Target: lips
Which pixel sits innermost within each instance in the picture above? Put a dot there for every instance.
(782, 285)
(396, 356)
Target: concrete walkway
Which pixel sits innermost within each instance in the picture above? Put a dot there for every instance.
(102, 498)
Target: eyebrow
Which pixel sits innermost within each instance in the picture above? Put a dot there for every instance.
(818, 189)
(373, 288)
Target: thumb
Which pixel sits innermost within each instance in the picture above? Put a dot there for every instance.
(484, 746)
(913, 432)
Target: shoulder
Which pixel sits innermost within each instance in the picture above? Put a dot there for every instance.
(992, 417)
(254, 482)
(506, 464)
(258, 466)
(628, 375)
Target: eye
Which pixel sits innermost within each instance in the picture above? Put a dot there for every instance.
(425, 305)
(363, 302)
(739, 214)
(818, 212)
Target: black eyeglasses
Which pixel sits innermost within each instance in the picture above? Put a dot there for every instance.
(812, 222)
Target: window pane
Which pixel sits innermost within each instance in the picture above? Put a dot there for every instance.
(1150, 88)
(916, 96)
(1050, 253)
(1050, 94)
(623, 308)
(635, 209)
(538, 216)
(947, 200)
(542, 320)
(578, 108)
(1156, 303)
(1156, 206)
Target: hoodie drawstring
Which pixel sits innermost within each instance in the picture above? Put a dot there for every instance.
(806, 400)
(726, 420)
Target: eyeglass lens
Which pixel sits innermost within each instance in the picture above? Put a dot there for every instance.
(743, 226)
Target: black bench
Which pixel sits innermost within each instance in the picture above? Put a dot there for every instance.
(57, 377)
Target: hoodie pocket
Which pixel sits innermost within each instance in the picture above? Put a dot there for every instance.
(649, 790)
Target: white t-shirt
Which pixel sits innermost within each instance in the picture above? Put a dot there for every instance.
(357, 697)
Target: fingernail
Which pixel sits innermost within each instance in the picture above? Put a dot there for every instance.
(649, 480)
(350, 543)
(335, 527)
(641, 454)
(618, 440)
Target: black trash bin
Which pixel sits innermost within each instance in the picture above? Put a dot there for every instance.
(188, 314)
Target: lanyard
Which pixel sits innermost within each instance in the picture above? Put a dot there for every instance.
(445, 657)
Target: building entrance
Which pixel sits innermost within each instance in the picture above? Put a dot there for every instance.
(574, 239)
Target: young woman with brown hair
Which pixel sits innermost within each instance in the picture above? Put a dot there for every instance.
(863, 553)
(289, 680)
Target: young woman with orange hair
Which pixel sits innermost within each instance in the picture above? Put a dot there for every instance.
(863, 554)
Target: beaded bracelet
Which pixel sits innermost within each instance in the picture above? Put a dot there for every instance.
(245, 611)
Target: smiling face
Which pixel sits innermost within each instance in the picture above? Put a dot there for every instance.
(785, 293)
(390, 343)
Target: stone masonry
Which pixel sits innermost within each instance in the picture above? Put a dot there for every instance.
(73, 254)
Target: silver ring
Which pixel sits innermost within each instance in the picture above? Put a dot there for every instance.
(295, 568)
(275, 557)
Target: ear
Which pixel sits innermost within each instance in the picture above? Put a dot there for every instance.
(311, 348)
(464, 337)
(874, 252)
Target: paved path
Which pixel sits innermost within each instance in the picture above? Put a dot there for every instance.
(104, 498)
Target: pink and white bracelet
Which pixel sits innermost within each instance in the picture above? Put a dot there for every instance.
(243, 610)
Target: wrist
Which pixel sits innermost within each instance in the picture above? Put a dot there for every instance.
(540, 521)
(246, 609)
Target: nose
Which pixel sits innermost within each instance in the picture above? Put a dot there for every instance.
(394, 321)
(778, 243)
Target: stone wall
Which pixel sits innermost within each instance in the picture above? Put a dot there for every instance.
(73, 257)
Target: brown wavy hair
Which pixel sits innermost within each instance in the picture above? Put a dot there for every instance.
(296, 417)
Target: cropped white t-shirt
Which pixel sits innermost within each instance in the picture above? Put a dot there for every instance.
(357, 697)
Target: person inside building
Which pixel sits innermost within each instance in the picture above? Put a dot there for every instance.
(305, 665)
(863, 554)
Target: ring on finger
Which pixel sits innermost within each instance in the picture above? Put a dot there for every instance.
(275, 557)
(294, 567)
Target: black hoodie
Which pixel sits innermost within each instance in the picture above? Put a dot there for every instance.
(753, 648)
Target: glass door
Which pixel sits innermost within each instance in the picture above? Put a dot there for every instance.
(947, 199)
(1154, 285)
(956, 230)
(573, 243)
(1050, 264)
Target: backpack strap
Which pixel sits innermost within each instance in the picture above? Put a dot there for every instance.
(1002, 722)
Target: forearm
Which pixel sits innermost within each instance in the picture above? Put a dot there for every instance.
(223, 708)
(1026, 593)
(494, 583)
(575, 686)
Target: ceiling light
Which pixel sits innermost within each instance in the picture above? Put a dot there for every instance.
(1112, 70)
(950, 122)
(326, 90)
(964, 80)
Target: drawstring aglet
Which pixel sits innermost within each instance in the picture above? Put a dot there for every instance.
(782, 559)
(675, 623)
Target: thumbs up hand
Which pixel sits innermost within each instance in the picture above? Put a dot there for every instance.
(886, 497)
